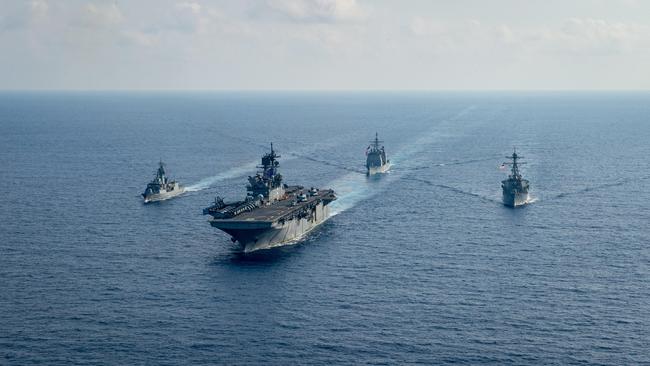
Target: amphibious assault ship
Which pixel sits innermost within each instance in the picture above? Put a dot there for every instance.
(161, 188)
(376, 161)
(515, 188)
(272, 213)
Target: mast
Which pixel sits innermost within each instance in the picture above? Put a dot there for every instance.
(514, 171)
(375, 143)
(268, 181)
(160, 174)
(269, 160)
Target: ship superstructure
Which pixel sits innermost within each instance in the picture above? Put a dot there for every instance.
(376, 161)
(161, 187)
(272, 213)
(515, 188)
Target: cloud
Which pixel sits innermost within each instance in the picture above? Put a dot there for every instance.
(39, 9)
(315, 10)
(18, 15)
(99, 15)
(140, 38)
(192, 17)
(194, 7)
(318, 43)
(600, 36)
(466, 36)
(573, 36)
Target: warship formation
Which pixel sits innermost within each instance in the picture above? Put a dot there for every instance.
(273, 213)
(161, 188)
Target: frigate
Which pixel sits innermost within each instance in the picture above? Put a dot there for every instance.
(272, 213)
(515, 188)
(376, 161)
(161, 188)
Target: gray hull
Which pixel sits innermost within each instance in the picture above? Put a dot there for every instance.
(164, 195)
(515, 188)
(515, 199)
(253, 236)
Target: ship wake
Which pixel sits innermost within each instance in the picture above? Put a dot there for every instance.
(455, 162)
(455, 190)
(354, 188)
(328, 163)
(208, 182)
(597, 187)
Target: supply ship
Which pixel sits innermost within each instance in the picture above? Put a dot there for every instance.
(272, 213)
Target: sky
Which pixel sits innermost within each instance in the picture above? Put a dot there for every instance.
(325, 44)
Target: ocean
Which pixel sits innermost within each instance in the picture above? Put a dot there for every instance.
(422, 265)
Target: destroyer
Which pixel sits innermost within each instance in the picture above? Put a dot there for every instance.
(376, 158)
(161, 188)
(515, 188)
(272, 213)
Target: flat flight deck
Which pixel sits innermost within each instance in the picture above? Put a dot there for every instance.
(275, 211)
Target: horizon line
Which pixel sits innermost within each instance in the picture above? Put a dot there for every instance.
(326, 90)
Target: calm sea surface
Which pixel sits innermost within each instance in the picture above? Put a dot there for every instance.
(423, 265)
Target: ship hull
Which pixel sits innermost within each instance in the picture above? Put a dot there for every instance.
(378, 169)
(155, 197)
(252, 236)
(515, 199)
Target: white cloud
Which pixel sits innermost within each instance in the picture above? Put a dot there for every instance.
(99, 15)
(39, 9)
(18, 15)
(140, 38)
(468, 36)
(194, 7)
(574, 35)
(587, 34)
(317, 10)
(318, 43)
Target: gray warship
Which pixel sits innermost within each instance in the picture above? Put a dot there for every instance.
(161, 188)
(272, 213)
(376, 161)
(515, 188)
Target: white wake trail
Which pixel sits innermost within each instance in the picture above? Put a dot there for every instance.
(235, 172)
(353, 188)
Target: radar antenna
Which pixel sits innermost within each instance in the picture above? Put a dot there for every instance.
(514, 171)
(375, 143)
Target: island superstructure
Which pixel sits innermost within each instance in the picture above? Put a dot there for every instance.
(272, 213)
(376, 161)
(515, 188)
(161, 188)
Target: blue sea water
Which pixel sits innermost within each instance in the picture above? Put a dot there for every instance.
(420, 266)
